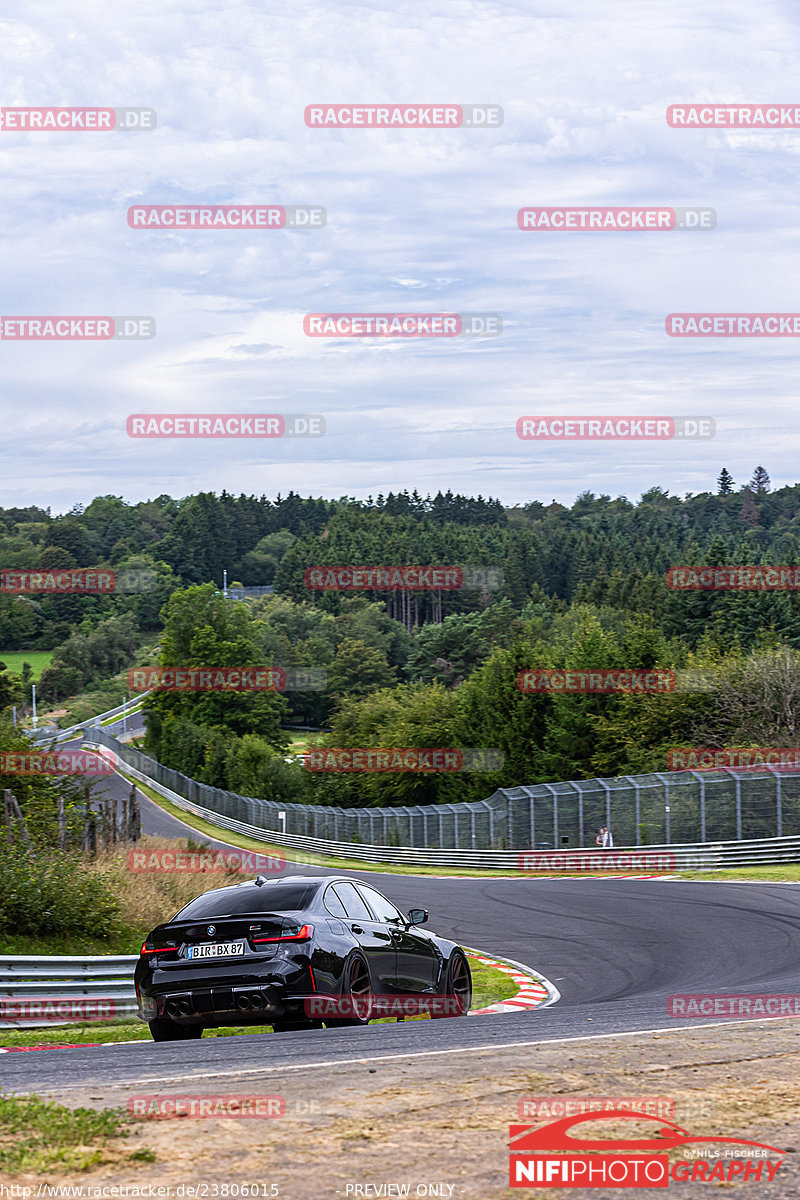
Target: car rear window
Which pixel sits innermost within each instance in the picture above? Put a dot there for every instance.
(272, 897)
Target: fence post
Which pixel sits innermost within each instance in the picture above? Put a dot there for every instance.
(637, 808)
(607, 791)
(738, 781)
(579, 790)
(666, 783)
(778, 800)
(554, 794)
(702, 782)
(455, 825)
(491, 823)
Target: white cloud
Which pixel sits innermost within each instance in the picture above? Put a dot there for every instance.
(420, 220)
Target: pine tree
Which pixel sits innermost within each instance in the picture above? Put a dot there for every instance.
(760, 482)
(748, 512)
(724, 482)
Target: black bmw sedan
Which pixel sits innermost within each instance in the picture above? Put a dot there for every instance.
(295, 953)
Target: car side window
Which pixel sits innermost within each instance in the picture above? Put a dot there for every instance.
(384, 910)
(354, 906)
(334, 904)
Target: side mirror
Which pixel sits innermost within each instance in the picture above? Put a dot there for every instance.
(417, 916)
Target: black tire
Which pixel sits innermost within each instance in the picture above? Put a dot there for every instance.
(357, 989)
(458, 985)
(163, 1030)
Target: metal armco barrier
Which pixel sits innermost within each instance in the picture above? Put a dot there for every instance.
(41, 990)
(654, 859)
(65, 735)
(663, 809)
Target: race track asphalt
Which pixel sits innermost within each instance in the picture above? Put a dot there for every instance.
(614, 948)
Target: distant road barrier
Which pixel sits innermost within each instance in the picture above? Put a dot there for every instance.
(66, 735)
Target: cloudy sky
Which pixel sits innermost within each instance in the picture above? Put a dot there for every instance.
(417, 221)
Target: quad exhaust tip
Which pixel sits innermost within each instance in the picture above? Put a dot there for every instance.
(247, 1001)
(178, 1008)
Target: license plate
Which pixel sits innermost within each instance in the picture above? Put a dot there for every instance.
(215, 950)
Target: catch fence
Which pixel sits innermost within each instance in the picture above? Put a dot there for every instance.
(643, 810)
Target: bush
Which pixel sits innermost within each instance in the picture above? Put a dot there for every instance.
(53, 894)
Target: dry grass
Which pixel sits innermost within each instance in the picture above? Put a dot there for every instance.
(147, 897)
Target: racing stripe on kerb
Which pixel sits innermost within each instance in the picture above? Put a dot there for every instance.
(532, 992)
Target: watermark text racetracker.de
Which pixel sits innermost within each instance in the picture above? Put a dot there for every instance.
(379, 1007)
(402, 325)
(152, 1107)
(595, 860)
(382, 759)
(98, 120)
(597, 680)
(200, 1189)
(205, 862)
(224, 425)
(58, 762)
(736, 758)
(227, 216)
(226, 679)
(546, 1108)
(18, 1009)
(734, 116)
(405, 578)
(76, 329)
(625, 219)
(734, 579)
(747, 1005)
(403, 116)
(81, 581)
(742, 324)
(617, 428)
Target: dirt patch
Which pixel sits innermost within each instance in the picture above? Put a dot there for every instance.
(441, 1121)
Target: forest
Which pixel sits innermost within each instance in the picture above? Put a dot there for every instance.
(545, 586)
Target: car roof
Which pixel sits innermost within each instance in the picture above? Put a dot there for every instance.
(307, 879)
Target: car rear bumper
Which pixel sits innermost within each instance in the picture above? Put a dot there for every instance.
(230, 998)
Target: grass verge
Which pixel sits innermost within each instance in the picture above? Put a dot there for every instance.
(37, 1136)
(773, 873)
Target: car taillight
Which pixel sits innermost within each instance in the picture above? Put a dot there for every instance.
(303, 934)
(170, 949)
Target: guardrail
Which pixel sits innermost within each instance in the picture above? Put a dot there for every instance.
(657, 859)
(44, 990)
(66, 735)
(668, 808)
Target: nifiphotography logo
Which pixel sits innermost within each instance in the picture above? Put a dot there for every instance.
(548, 1156)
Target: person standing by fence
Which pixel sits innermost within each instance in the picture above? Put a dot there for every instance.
(605, 838)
